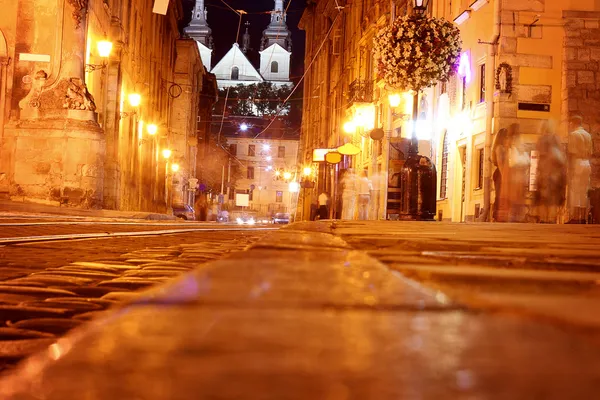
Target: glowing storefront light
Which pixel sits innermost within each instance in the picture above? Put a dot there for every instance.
(349, 127)
(394, 100)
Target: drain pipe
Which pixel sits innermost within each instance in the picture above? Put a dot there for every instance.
(489, 101)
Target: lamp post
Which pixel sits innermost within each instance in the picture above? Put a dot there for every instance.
(418, 179)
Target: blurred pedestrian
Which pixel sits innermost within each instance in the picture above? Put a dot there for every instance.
(349, 193)
(364, 196)
(500, 161)
(551, 178)
(518, 164)
(579, 170)
(323, 201)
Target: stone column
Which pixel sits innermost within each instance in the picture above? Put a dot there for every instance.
(58, 147)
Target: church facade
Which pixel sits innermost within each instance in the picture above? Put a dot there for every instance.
(261, 145)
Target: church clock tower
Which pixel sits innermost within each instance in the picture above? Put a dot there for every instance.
(199, 30)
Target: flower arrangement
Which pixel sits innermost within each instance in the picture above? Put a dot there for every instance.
(415, 52)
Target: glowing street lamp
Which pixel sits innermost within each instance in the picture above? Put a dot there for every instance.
(277, 173)
(134, 99)
(166, 153)
(307, 171)
(152, 129)
(266, 147)
(175, 167)
(269, 158)
(294, 187)
(420, 6)
(244, 127)
(104, 48)
(287, 175)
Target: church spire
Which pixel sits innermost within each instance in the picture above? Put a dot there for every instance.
(277, 31)
(246, 39)
(198, 28)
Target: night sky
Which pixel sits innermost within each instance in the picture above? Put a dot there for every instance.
(224, 22)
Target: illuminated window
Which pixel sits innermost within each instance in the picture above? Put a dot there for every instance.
(444, 169)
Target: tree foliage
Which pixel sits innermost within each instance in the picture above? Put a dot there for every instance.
(262, 99)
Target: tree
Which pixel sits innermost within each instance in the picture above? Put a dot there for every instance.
(262, 99)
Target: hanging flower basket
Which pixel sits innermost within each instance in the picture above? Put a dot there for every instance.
(416, 52)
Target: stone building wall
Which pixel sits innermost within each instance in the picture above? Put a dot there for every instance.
(581, 76)
(70, 136)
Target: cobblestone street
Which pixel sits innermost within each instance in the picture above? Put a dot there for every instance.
(48, 288)
(325, 310)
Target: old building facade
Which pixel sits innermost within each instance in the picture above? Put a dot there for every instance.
(89, 129)
(522, 62)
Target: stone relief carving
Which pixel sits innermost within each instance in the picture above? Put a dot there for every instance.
(79, 10)
(78, 97)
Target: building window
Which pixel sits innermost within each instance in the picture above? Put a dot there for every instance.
(480, 169)
(279, 196)
(274, 67)
(235, 73)
(251, 150)
(444, 169)
(281, 152)
(482, 83)
(250, 194)
(250, 173)
(231, 194)
(233, 149)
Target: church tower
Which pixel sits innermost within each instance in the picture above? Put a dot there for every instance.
(276, 48)
(199, 30)
(277, 31)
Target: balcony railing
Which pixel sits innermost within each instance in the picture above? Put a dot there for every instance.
(360, 91)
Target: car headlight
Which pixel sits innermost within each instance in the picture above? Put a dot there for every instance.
(240, 221)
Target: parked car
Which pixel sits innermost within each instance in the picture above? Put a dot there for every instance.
(281, 218)
(184, 211)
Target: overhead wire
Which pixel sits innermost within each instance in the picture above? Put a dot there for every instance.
(304, 74)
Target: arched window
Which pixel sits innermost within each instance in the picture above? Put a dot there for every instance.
(235, 73)
(274, 67)
(444, 169)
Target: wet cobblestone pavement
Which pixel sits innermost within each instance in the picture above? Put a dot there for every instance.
(47, 289)
(349, 310)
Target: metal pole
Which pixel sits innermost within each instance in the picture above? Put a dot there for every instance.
(414, 142)
(222, 179)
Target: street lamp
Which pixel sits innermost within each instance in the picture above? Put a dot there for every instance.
(166, 153)
(394, 100)
(104, 49)
(152, 129)
(175, 167)
(418, 180)
(420, 6)
(134, 99)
